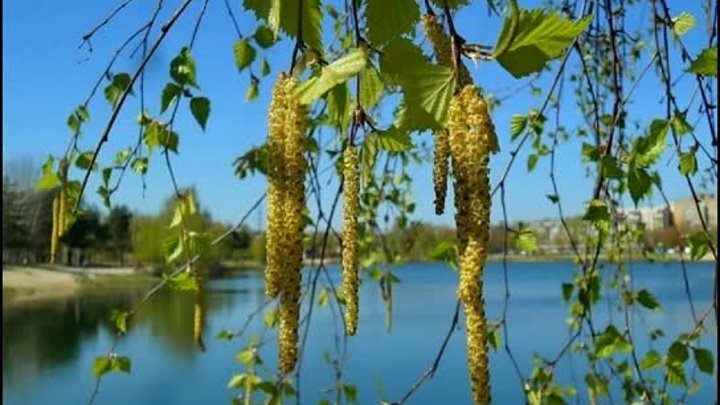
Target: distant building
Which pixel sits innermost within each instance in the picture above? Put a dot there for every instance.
(651, 218)
(685, 212)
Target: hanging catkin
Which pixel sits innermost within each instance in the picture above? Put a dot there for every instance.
(350, 258)
(440, 169)
(55, 229)
(441, 45)
(276, 187)
(470, 136)
(198, 320)
(294, 124)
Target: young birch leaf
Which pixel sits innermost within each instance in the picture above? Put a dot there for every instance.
(264, 67)
(647, 299)
(244, 54)
(698, 246)
(387, 20)
(683, 23)
(371, 87)
(704, 359)
(452, 4)
(200, 107)
(639, 183)
(182, 68)
(428, 90)
(264, 36)
(706, 63)
(121, 364)
(518, 123)
(540, 37)
(101, 365)
(252, 91)
(170, 93)
(688, 163)
(49, 178)
(331, 75)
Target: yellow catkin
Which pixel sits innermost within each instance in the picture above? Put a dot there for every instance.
(471, 132)
(440, 169)
(276, 187)
(54, 232)
(295, 130)
(441, 45)
(350, 258)
(198, 322)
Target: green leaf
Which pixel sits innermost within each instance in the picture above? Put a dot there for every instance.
(683, 23)
(237, 381)
(121, 364)
(428, 90)
(170, 93)
(639, 183)
(532, 162)
(688, 163)
(283, 14)
(74, 123)
(525, 241)
(335, 73)
(706, 62)
(323, 297)
(338, 106)
(387, 20)
(200, 107)
(493, 338)
(676, 374)
(82, 113)
(182, 282)
(248, 356)
(244, 54)
(647, 299)
(647, 149)
(540, 37)
(271, 318)
(554, 198)
(140, 165)
(264, 67)
(679, 124)
(610, 342)
(446, 252)
(182, 68)
(106, 173)
(225, 335)
(371, 87)
(567, 290)
(452, 4)
(119, 318)
(84, 160)
(677, 353)
(101, 365)
(264, 36)
(394, 140)
(518, 123)
(119, 84)
(704, 359)
(252, 91)
(350, 392)
(610, 168)
(398, 57)
(698, 246)
(651, 359)
(49, 178)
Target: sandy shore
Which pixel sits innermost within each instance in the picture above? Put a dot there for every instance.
(29, 283)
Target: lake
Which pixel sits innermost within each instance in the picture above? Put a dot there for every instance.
(49, 347)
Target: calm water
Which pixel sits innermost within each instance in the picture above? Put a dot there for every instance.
(48, 347)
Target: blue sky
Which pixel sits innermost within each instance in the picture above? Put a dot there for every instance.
(45, 76)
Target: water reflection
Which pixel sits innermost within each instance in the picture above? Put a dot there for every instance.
(48, 347)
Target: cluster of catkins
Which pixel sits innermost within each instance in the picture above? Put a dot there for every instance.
(287, 138)
(467, 140)
(350, 258)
